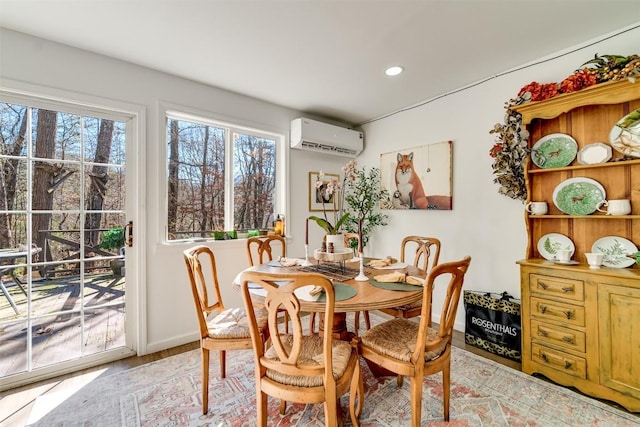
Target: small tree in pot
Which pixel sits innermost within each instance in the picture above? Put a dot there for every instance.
(113, 239)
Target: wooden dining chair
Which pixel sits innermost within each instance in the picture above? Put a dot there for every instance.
(221, 328)
(425, 254)
(301, 367)
(261, 249)
(415, 349)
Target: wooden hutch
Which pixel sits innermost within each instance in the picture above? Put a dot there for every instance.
(581, 326)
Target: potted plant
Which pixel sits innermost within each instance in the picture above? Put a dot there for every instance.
(329, 192)
(114, 239)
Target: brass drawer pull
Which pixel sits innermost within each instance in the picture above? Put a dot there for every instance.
(542, 285)
(567, 364)
(567, 289)
(542, 332)
(544, 357)
(567, 313)
(543, 309)
(568, 339)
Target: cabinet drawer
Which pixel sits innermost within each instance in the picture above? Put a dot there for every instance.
(557, 311)
(569, 364)
(557, 286)
(564, 337)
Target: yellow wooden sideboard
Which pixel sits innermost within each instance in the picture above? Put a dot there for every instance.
(581, 326)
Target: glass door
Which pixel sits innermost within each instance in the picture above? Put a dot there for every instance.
(62, 235)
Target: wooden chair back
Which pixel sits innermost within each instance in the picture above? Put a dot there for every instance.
(203, 277)
(287, 356)
(261, 249)
(422, 252)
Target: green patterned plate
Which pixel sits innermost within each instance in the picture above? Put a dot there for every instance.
(578, 196)
(554, 151)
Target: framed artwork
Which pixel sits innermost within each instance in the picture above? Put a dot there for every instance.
(316, 194)
(418, 177)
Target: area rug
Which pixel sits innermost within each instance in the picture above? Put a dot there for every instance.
(167, 393)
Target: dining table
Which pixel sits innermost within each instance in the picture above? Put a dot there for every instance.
(352, 295)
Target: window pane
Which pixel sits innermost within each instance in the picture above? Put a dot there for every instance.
(196, 179)
(254, 179)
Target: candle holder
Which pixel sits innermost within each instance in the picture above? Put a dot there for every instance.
(306, 261)
(361, 277)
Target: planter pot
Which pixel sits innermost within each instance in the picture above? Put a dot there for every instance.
(117, 266)
(337, 240)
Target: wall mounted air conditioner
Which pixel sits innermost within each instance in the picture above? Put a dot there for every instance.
(312, 135)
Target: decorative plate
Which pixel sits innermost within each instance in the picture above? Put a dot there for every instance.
(578, 196)
(551, 243)
(554, 151)
(595, 153)
(615, 250)
(625, 135)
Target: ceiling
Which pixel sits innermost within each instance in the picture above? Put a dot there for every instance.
(324, 57)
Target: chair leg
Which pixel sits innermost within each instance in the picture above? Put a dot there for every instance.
(399, 380)
(367, 320)
(261, 408)
(223, 364)
(446, 389)
(416, 401)
(330, 412)
(205, 380)
(283, 406)
(356, 395)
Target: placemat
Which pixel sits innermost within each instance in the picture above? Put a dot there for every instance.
(394, 286)
(342, 290)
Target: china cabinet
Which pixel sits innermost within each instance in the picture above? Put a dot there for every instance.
(581, 326)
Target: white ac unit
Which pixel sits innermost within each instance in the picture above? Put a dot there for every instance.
(312, 135)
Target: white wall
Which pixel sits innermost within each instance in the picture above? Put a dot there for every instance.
(167, 314)
(484, 224)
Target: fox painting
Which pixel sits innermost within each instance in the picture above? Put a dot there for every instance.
(410, 192)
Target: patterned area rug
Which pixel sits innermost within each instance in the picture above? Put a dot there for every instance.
(167, 393)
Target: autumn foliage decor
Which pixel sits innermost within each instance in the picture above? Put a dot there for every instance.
(510, 149)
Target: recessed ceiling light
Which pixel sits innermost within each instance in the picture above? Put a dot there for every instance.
(394, 71)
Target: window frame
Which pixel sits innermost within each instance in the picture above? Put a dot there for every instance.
(233, 125)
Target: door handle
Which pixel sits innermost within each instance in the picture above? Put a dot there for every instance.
(128, 233)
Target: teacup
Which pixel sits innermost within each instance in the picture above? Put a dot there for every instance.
(593, 259)
(564, 255)
(537, 208)
(616, 207)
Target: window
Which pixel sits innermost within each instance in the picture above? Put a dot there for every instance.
(221, 177)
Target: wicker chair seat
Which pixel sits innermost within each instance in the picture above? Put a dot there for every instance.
(397, 338)
(312, 356)
(233, 323)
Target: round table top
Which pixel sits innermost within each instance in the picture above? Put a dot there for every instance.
(368, 297)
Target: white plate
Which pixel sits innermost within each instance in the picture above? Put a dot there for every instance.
(551, 243)
(554, 151)
(595, 153)
(625, 134)
(578, 196)
(615, 250)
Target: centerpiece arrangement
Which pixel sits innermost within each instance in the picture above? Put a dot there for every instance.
(351, 205)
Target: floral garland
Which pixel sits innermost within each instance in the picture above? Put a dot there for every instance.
(511, 148)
